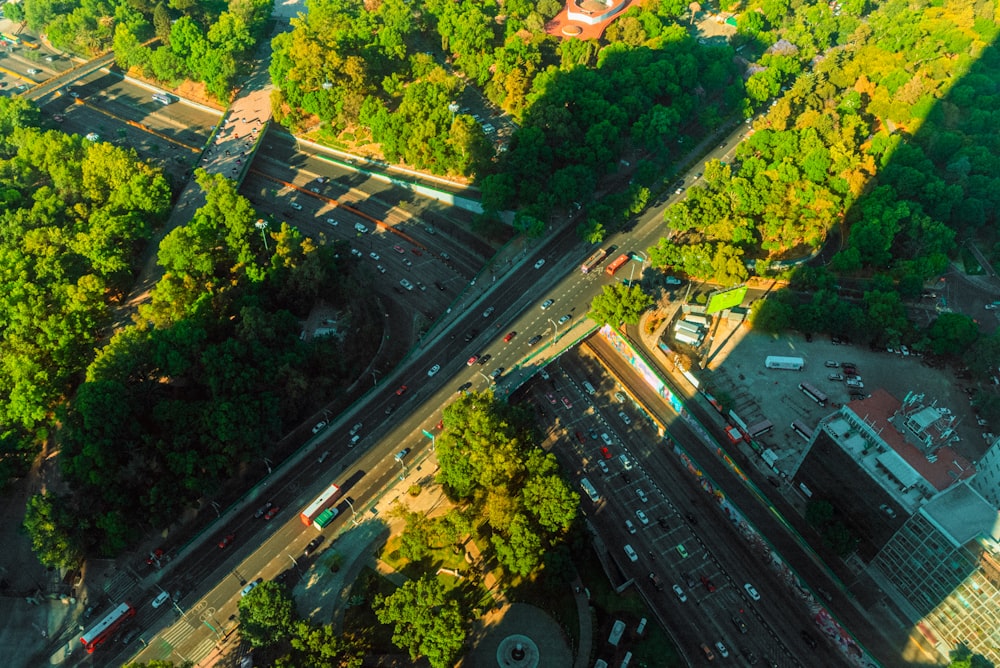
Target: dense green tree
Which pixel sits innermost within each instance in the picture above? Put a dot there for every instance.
(426, 623)
(267, 615)
(952, 333)
(46, 521)
(619, 304)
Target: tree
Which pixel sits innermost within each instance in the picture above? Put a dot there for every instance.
(425, 622)
(323, 646)
(48, 523)
(952, 333)
(267, 615)
(619, 304)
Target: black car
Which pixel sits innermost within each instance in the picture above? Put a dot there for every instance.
(263, 509)
(484, 359)
(750, 656)
(807, 638)
(740, 624)
(662, 521)
(313, 544)
(691, 518)
(471, 334)
(464, 386)
(535, 339)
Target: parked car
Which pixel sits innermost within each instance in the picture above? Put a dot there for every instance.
(835, 376)
(680, 593)
(642, 495)
(624, 417)
(313, 544)
(751, 592)
(250, 587)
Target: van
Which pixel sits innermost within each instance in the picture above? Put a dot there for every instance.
(631, 553)
(361, 229)
(590, 388)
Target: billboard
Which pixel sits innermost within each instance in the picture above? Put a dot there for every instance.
(720, 300)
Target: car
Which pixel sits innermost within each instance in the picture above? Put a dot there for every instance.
(488, 312)
(626, 464)
(399, 249)
(605, 453)
(408, 264)
(263, 509)
(319, 426)
(73, 94)
(905, 351)
(749, 656)
(250, 587)
(417, 252)
(497, 372)
(751, 592)
(681, 551)
(990, 307)
(689, 580)
(509, 337)
(314, 189)
(723, 650)
(630, 526)
(592, 433)
(855, 383)
(709, 585)
(401, 390)
(295, 205)
(439, 286)
(356, 428)
(313, 544)
(32, 70)
(91, 136)
(547, 303)
(401, 454)
(550, 397)
(641, 494)
(857, 396)
(807, 638)
(472, 360)
(484, 359)
(534, 340)
(540, 263)
(740, 624)
(155, 555)
(227, 541)
(631, 553)
(322, 457)
(662, 521)
(380, 268)
(354, 440)
(543, 373)
(579, 437)
(355, 252)
(445, 257)
(835, 376)
(655, 579)
(642, 517)
(691, 518)
(130, 636)
(620, 397)
(606, 438)
(567, 403)
(271, 513)
(709, 655)
(563, 320)
(624, 417)
(603, 465)
(406, 284)
(680, 593)
(375, 256)
(885, 508)
(831, 364)
(433, 370)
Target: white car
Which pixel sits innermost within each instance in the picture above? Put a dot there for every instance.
(603, 464)
(631, 553)
(356, 252)
(250, 587)
(642, 517)
(488, 312)
(295, 205)
(547, 303)
(642, 495)
(624, 417)
(332, 221)
(433, 370)
(356, 428)
(630, 526)
(161, 599)
(406, 284)
(319, 427)
(606, 438)
(680, 593)
(620, 397)
(751, 592)
(540, 263)
(563, 320)
(723, 650)
(375, 256)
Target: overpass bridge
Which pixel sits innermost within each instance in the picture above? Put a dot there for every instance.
(61, 80)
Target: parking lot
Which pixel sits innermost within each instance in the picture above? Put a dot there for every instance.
(757, 393)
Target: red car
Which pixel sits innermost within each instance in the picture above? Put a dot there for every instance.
(398, 249)
(401, 390)
(272, 512)
(606, 453)
(567, 403)
(708, 584)
(227, 541)
(416, 251)
(510, 335)
(552, 400)
(472, 360)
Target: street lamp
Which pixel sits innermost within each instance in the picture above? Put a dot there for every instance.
(353, 512)
(402, 465)
(555, 331)
(261, 225)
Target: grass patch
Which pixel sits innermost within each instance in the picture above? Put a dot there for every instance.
(970, 263)
(653, 648)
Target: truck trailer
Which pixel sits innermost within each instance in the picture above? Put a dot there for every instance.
(789, 363)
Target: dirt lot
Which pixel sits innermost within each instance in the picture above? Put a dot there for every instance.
(737, 369)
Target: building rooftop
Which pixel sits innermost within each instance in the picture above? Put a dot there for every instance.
(963, 514)
(940, 469)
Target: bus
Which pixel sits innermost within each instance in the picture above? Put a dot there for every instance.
(322, 502)
(589, 488)
(162, 98)
(594, 260)
(104, 629)
(802, 430)
(10, 39)
(810, 391)
(28, 44)
(616, 265)
(759, 428)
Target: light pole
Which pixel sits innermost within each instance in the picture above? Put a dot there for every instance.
(402, 465)
(294, 563)
(374, 378)
(261, 225)
(267, 463)
(555, 331)
(353, 512)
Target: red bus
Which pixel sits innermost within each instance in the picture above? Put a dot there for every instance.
(321, 503)
(103, 630)
(616, 265)
(594, 260)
